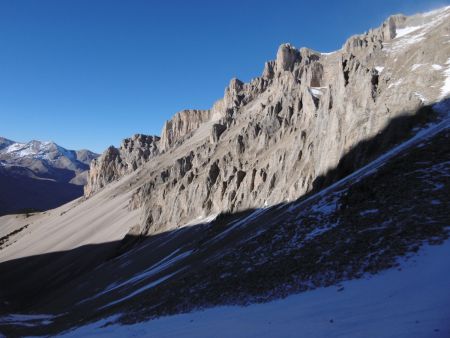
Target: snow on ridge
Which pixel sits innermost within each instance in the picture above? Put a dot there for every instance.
(435, 11)
(14, 147)
(37, 149)
(404, 38)
(400, 32)
(410, 35)
(329, 53)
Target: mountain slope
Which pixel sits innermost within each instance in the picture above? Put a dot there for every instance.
(277, 137)
(353, 229)
(412, 302)
(40, 175)
(327, 168)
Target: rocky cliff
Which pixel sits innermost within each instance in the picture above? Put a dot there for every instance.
(291, 130)
(181, 125)
(116, 162)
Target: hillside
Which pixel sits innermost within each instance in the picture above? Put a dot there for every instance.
(328, 171)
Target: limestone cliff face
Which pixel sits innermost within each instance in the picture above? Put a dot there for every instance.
(176, 130)
(278, 136)
(114, 163)
(181, 125)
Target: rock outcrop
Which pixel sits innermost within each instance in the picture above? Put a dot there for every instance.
(182, 124)
(308, 120)
(116, 162)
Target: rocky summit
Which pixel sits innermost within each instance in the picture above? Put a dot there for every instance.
(291, 131)
(325, 178)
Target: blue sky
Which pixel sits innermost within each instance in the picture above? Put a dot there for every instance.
(87, 74)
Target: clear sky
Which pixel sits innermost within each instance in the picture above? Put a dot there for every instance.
(87, 74)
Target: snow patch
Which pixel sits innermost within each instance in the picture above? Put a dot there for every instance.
(142, 289)
(202, 220)
(396, 83)
(379, 69)
(319, 231)
(153, 270)
(437, 67)
(241, 222)
(416, 66)
(421, 97)
(445, 89)
(400, 32)
(27, 320)
(316, 91)
(413, 34)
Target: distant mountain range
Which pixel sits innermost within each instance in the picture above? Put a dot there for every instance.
(40, 175)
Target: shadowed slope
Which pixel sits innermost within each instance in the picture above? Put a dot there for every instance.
(357, 227)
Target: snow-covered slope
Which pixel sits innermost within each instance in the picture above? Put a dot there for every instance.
(4, 142)
(410, 301)
(37, 149)
(16, 152)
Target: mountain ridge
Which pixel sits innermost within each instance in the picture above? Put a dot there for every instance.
(327, 168)
(211, 156)
(53, 174)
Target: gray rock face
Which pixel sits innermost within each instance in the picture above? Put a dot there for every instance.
(216, 131)
(182, 124)
(287, 56)
(389, 27)
(114, 163)
(283, 134)
(138, 149)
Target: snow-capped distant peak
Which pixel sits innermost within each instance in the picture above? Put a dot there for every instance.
(37, 149)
